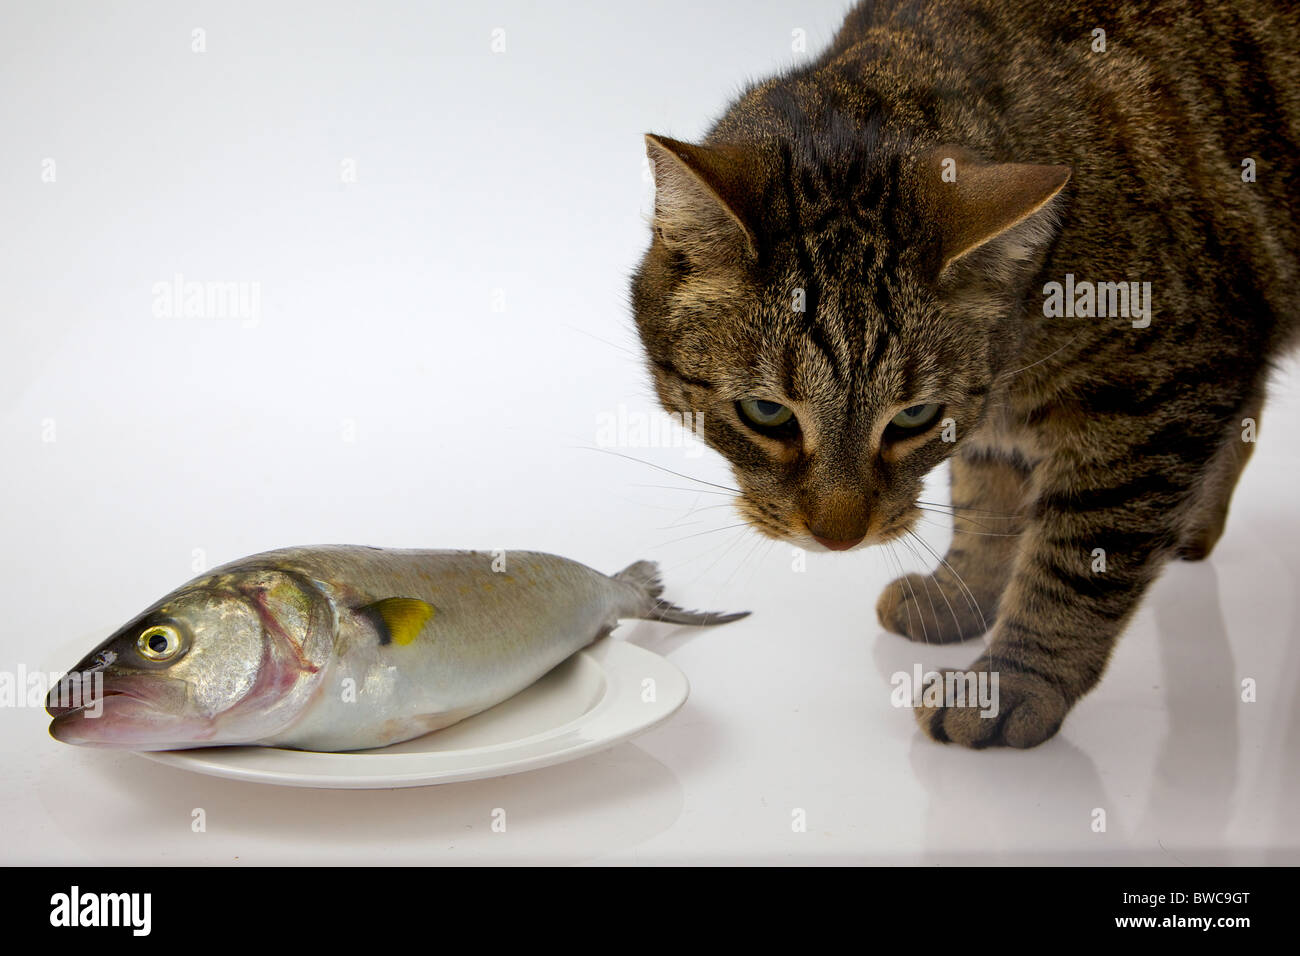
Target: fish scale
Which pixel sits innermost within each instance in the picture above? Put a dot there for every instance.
(344, 647)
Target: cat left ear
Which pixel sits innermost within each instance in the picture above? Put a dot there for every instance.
(976, 203)
(700, 198)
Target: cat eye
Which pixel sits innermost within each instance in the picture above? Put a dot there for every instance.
(915, 417)
(765, 413)
(768, 418)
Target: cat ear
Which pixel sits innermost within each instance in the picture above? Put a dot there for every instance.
(700, 197)
(976, 203)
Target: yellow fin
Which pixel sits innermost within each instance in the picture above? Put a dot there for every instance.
(399, 619)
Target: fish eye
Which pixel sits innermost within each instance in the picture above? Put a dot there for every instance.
(915, 417)
(159, 643)
(764, 415)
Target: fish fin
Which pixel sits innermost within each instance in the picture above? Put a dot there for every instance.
(644, 576)
(399, 620)
(671, 613)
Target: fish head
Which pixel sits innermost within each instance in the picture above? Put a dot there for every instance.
(228, 659)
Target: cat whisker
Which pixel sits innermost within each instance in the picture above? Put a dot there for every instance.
(698, 491)
(1044, 358)
(615, 345)
(736, 540)
(758, 540)
(771, 543)
(730, 527)
(980, 511)
(698, 557)
(982, 534)
(682, 524)
(902, 576)
(927, 580)
(676, 508)
(642, 461)
(961, 582)
(964, 518)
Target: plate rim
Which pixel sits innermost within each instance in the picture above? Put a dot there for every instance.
(613, 656)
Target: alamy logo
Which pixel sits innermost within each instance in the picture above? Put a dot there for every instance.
(185, 299)
(102, 909)
(1129, 300)
(75, 690)
(950, 689)
(630, 428)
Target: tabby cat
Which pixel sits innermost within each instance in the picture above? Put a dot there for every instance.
(1052, 242)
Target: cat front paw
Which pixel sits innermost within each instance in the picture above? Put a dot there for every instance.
(925, 608)
(1015, 710)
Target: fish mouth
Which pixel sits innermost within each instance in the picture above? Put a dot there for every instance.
(62, 710)
(129, 714)
(87, 692)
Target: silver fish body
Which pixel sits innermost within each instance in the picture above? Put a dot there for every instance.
(346, 648)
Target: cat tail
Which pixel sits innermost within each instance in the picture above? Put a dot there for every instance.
(644, 577)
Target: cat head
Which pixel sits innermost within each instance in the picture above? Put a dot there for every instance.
(835, 318)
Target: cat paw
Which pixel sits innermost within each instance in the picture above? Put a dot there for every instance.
(923, 608)
(1024, 711)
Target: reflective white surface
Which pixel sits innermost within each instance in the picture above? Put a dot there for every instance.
(438, 347)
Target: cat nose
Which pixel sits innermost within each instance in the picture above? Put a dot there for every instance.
(835, 545)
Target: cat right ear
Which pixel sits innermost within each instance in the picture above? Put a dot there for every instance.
(700, 198)
(1006, 206)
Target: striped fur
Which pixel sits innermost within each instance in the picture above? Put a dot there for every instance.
(810, 252)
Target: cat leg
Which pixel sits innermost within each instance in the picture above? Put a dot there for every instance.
(1100, 530)
(959, 600)
(1205, 521)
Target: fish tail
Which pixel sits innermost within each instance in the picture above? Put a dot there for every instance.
(644, 576)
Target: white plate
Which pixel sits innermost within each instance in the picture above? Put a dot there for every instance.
(589, 703)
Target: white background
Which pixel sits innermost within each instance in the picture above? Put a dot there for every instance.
(522, 172)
